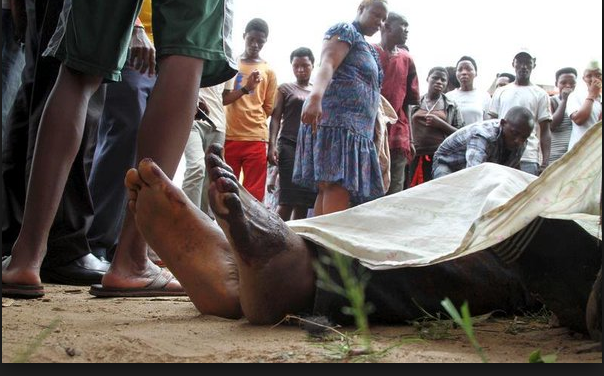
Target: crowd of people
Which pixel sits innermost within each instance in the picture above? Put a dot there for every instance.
(95, 101)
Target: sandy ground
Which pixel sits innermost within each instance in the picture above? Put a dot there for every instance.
(70, 326)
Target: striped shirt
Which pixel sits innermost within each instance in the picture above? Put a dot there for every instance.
(473, 145)
(561, 134)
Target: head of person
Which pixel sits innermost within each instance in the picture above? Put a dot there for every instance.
(438, 79)
(524, 63)
(467, 70)
(452, 81)
(395, 29)
(504, 79)
(566, 79)
(303, 62)
(255, 37)
(517, 127)
(592, 72)
(372, 15)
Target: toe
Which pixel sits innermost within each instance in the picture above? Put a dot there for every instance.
(133, 180)
(151, 174)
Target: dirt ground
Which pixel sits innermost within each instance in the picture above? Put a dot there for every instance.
(70, 326)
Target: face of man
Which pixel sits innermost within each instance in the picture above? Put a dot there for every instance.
(524, 65)
(515, 135)
(398, 31)
(254, 43)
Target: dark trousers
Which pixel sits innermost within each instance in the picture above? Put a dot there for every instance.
(115, 154)
(67, 240)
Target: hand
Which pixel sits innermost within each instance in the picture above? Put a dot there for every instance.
(595, 89)
(142, 52)
(565, 93)
(273, 155)
(253, 80)
(312, 113)
(413, 152)
(203, 106)
(431, 120)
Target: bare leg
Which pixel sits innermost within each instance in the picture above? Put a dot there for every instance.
(300, 212)
(59, 138)
(285, 212)
(164, 132)
(193, 247)
(276, 275)
(335, 198)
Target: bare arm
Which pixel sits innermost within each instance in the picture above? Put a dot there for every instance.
(560, 111)
(545, 138)
(333, 54)
(231, 96)
(275, 127)
(582, 116)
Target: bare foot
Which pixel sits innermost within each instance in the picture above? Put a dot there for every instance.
(275, 264)
(188, 241)
(16, 274)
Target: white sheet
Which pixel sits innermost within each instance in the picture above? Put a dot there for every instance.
(465, 212)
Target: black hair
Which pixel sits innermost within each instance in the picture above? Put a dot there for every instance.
(257, 24)
(451, 75)
(567, 70)
(471, 60)
(438, 69)
(395, 17)
(510, 76)
(302, 52)
(520, 115)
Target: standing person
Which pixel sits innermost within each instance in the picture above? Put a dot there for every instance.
(336, 153)
(68, 258)
(401, 89)
(248, 108)
(562, 126)
(13, 56)
(208, 128)
(433, 120)
(473, 103)
(452, 81)
(504, 79)
(489, 141)
(585, 108)
(294, 201)
(192, 41)
(526, 94)
(115, 153)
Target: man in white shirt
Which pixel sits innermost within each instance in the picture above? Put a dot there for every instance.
(523, 93)
(585, 108)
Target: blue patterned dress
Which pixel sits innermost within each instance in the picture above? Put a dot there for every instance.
(342, 151)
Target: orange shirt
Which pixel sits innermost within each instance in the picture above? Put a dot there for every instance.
(247, 118)
(145, 17)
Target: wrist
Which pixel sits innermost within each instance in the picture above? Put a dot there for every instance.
(245, 90)
(590, 99)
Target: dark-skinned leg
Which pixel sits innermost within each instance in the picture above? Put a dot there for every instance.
(193, 247)
(163, 135)
(276, 275)
(58, 142)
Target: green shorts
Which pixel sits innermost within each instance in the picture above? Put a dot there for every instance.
(93, 36)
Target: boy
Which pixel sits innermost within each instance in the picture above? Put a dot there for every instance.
(248, 108)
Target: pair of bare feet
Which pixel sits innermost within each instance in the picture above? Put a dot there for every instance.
(249, 262)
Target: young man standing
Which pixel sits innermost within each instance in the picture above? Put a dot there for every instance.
(562, 126)
(524, 93)
(248, 108)
(585, 109)
(401, 89)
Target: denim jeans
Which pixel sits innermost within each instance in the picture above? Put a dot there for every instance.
(13, 61)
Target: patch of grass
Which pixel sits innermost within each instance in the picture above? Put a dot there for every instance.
(536, 357)
(25, 355)
(353, 289)
(464, 320)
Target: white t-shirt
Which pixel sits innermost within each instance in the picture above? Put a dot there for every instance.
(573, 104)
(474, 105)
(213, 98)
(532, 97)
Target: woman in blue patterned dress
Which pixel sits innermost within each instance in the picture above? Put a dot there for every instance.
(335, 153)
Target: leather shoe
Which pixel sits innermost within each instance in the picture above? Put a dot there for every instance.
(85, 271)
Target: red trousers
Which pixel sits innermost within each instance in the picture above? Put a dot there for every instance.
(250, 156)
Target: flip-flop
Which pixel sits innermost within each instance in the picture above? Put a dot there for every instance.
(15, 291)
(157, 288)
